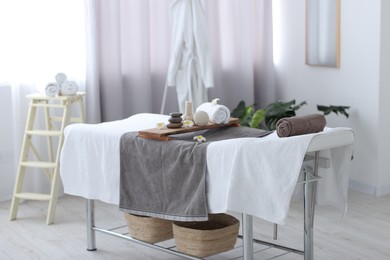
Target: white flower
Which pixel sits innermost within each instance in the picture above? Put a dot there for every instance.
(200, 138)
(188, 123)
(215, 101)
(161, 126)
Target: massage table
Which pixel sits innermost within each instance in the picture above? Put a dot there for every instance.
(90, 169)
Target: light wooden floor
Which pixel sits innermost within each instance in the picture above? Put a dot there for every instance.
(364, 233)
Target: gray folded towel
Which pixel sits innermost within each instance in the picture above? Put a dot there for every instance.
(300, 125)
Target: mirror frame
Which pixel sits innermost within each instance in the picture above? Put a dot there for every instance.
(323, 33)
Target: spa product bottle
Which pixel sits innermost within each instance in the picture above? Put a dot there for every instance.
(188, 111)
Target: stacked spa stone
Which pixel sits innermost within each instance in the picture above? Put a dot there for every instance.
(175, 120)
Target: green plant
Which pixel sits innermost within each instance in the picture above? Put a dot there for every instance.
(249, 116)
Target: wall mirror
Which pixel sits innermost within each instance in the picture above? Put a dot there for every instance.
(323, 33)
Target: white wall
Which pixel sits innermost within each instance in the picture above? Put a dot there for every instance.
(356, 83)
(384, 107)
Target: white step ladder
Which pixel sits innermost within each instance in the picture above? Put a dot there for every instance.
(61, 105)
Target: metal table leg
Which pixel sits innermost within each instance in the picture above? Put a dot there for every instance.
(91, 238)
(309, 206)
(247, 236)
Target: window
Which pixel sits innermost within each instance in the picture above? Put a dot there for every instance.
(41, 38)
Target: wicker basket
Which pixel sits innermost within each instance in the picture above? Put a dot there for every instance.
(148, 229)
(201, 239)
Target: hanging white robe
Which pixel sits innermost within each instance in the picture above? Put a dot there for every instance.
(190, 68)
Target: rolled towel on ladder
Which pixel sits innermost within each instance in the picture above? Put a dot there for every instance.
(300, 125)
(69, 88)
(218, 114)
(61, 78)
(52, 89)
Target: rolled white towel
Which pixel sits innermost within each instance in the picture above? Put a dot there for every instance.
(61, 78)
(52, 89)
(218, 114)
(69, 88)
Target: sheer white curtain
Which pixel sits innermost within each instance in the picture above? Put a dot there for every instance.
(130, 45)
(38, 39)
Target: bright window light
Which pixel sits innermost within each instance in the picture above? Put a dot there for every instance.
(41, 38)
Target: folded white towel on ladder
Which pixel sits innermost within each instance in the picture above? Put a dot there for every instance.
(69, 88)
(218, 114)
(52, 89)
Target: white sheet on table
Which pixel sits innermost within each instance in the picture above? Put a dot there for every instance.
(246, 176)
(90, 156)
(332, 189)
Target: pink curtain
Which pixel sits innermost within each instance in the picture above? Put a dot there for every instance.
(129, 47)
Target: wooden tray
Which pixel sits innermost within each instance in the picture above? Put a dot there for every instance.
(163, 134)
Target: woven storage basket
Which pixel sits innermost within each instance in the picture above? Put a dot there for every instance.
(148, 229)
(201, 239)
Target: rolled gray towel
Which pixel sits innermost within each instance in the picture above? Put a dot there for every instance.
(300, 125)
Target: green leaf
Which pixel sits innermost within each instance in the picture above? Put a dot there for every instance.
(270, 122)
(247, 117)
(246, 120)
(249, 110)
(295, 108)
(257, 118)
(278, 108)
(335, 109)
(239, 111)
